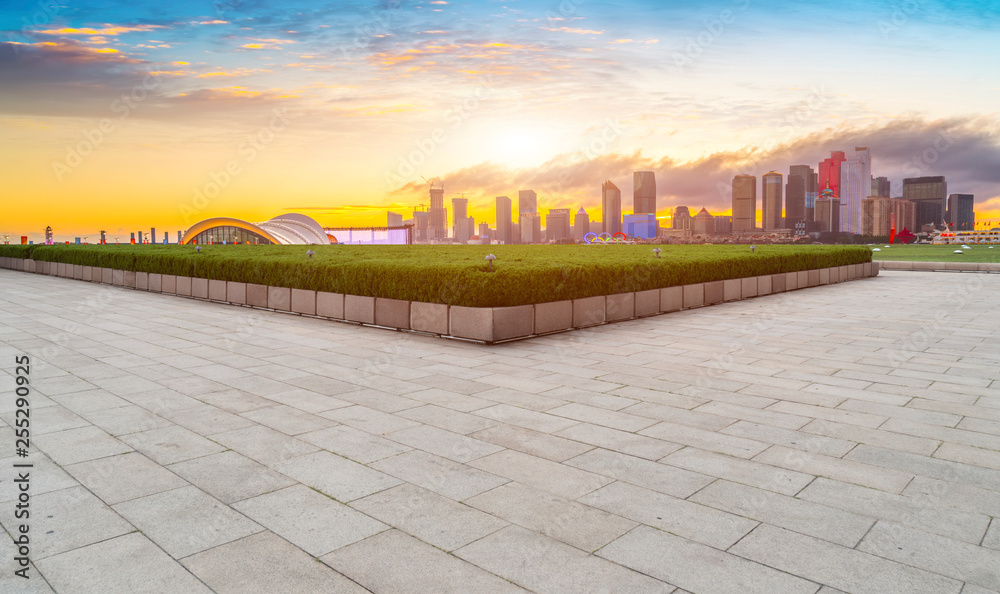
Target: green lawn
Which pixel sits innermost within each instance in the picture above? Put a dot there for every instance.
(458, 275)
(937, 253)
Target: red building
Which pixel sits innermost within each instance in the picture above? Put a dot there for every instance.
(829, 172)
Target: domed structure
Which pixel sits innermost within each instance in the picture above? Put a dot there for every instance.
(285, 229)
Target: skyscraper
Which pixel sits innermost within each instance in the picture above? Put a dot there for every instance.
(682, 218)
(703, 223)
(643, 192)
(461, 230)
(879, 212)
(530, 224)
(744, 203)
(611, 204)
(421, 221)
(855, 184)
(504, 223)
(527, 201)
(880, 187)
(581, 224)
(394, 219)
(829, 172)
(770, 189)
(828, 212)
(930, 195)
(961, 212)
(557, 224)
(437, 216)
(800, 194)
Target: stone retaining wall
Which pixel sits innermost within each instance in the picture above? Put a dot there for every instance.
(937, 266)
(482, 324)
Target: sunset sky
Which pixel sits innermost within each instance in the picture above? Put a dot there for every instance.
(127, 115)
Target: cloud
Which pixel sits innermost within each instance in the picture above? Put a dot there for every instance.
(105, 30)
(573, 30)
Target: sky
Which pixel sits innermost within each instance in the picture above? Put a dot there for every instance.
(130, 115)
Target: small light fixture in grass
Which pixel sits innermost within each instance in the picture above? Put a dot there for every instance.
(957, 252)
(310, 253)
(197, 248)
(753, 249)
(877, 250)
(489, 261)
(657, 252)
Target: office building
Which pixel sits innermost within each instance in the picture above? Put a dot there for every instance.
(723, 225)
(394, 219)
(828, 212)
(880, 187)
(800, 195)
(421, 222)
(557, 224)
(961, 212)
(682, 218)
(531, 227)
(855, 185)
(642, 226)
(611, 205)
(744, 203)
(527, 201)
(703, 223)
(771, 202)
(460, 230)
(879, 214)
(505, 231)
(484, 230)
(437, 216)
(829, 172)
(930, 195)
(643, 192)
(581, 224)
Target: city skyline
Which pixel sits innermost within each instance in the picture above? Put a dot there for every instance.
(148, 115)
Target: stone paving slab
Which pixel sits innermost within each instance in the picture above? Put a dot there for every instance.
(837, 439)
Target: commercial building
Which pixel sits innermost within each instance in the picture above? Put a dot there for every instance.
(462, 228)
(828, 212)
(581, 224)
(437, 221)
(505, 231)
(703, 223)
(531, 227)
(744, 203)
(855, 185)
(930, 195)
(642, 226)
(421, 222)
(771, 201)
(723, 225)
(682, 218)
(394, 219)
(961, 212)
(557, 224)
(286, 229)
(829, 172)
(611, 205)
(880, 187)
(643, 192)
(801, 191)
(880, 213)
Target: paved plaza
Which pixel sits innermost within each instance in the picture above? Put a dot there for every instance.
(838, 438)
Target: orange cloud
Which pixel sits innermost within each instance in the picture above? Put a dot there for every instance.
(106, 30)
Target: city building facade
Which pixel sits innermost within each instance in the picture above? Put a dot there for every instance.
(771, 203)
(505, 232)
(855, 185)
(930, 195)
(611, 205)
(744, 203)
(643, 192)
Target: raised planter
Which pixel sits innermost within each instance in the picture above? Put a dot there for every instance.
(155, 283)
(142, 281)
(303, 302)
(168, 284)
(492, 324)
(183, 286)
(359, 308)
(392, 313)
(554, 316)
(236, 293)
(647, 303)
(217, 290)
(732, 289)
(279, 298)
(619, 307)
(256, 295)
(671, 299)
(694, 295)
(331, 305)
(589, 311)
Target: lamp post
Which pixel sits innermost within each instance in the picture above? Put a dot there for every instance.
(489, 261)
(657, 252)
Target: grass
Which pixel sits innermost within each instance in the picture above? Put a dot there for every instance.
(458, 275)
(936, 253)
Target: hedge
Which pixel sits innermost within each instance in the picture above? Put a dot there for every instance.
(457, 275)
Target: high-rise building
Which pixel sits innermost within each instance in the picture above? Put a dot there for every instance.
(744, 203)
(611, 205)
(771, 203)
(828, 212)
(855, 184)
(437, 216)
(484, 230)
(880, 187)
(505, 232)
(930, 195)
(152, 235)
(879, 212)
(531, 227)
(703, 223)
(643, 192)
(581, 224)
(557, 224)
(461, 230)
(723, 225)
(393, 219)
(961, 212)
(798, 202)
(829, 172)
(682, 218)
(421, 223)
(527, 201)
